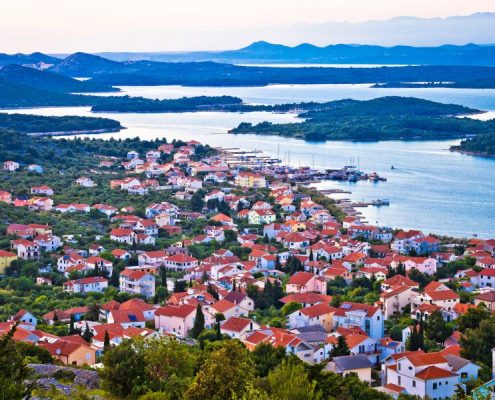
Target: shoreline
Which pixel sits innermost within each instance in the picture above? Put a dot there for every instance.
(84, 132)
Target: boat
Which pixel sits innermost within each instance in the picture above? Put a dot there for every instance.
(381, 202)
(392, 167)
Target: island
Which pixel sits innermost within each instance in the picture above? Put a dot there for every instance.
(54, 126)
(385, 118)
(482, 145)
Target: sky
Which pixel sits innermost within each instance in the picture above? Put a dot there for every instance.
(62, 26)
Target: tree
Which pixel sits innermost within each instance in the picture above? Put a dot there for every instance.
(211, 290)
(169, 366)
(87, 334)
(226, 373)
(72, 329)
(197, 202)
(93, 313)
(473, 318)
(290, 307)
(476, 344)
(421, 334)
(124, 373)
(199, 322)
(437, 329)
(412, 340)
(341, 349)
(289, 381)
(13, 371)
(106, 341)
(179, 286)
(266, 357)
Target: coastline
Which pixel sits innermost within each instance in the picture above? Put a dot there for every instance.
(84, 132)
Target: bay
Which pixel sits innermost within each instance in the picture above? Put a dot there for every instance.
(430, 188)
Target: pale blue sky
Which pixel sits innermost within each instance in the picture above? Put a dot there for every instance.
(164, 25)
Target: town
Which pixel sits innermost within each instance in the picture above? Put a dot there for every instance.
(178, 241)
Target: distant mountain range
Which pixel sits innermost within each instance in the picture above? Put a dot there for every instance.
(35, 59)
(264, 52)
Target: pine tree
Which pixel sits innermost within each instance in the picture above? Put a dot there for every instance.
(87, 334)
(341, 349)
(199, 322)
(311, 257)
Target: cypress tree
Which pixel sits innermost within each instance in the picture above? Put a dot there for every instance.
(106, 342)
(72, 330)
(412, 344)
(421, 334)
(199, 322)
(87, 335)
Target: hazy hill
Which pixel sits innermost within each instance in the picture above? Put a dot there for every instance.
(85, 65)
(25, 59)
(264, 52)
(50, 81)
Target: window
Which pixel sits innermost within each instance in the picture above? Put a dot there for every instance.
(435, 385)
(398, 380)
(464, 375)
(414, 383)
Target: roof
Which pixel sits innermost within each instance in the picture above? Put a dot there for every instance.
(394, 388)
(317, 310)
(487, 296)
(236, 324)
(346, 363)
(419, 360)
(300, 278)
(235, 297)
(456, 362)
(223, 305)
(434, 372)
(348, 306)
(305, 298)
(356, 339)
(181, 311)
(61, 347)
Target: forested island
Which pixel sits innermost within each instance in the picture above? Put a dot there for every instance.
(35, 124)
(482, 145)
(386, 118)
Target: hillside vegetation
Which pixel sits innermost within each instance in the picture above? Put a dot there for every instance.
(386, 118)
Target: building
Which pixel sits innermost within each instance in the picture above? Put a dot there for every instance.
(238, 328)
(135, 281)
(319, 314)
(175, 319)
(304, 282)
(428, 375)
(26, 249)
(6, 258)
(345, 365)
(395, 300)
(85, 285)
(368, 318)
(250, 180)
(261, 216)
(70, 353)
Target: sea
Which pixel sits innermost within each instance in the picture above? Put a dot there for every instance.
(429, 188)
